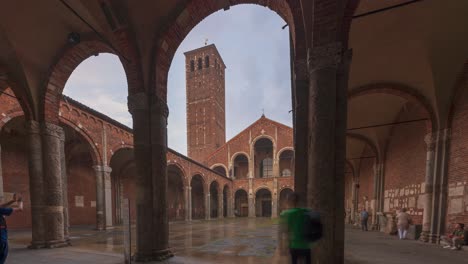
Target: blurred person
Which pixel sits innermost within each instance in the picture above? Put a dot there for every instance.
(403, 222)
(456, 239)
(364, 219)
(7, 209)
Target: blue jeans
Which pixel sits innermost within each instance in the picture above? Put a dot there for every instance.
(298, 254)
(3, 251)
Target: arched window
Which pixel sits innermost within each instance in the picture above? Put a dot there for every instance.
(192, 65)
(207, 61)
(286, 173)
(200, 63)
(266, 168)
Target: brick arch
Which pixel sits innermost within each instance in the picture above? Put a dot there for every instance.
(219, 185)
(95, 154)
(182, 170)
(460, 88)
(263, 187)
(204, 181)
(350, 165)
(366, 141)
(401, 90)
(118, 147)
(193, 13)
(71, 56)
(220, 165)
(283, 150)
(286, 187)
(234, 156)
(11, 116)
(23, 98)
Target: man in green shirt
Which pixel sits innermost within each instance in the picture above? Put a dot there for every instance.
(292, 225)
(456, 239)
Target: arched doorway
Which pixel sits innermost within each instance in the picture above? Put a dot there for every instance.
(283, 199)
(225, 200)
(263, 203)
(214, 199)
(240, 167)
(198, 197)
(241, 206)
(263, 159)
(175, 193)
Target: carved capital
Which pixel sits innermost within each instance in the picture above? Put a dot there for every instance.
(102, 168)
(33, 127)
(327, 56)
(159, 106)
(138, 101)
(431, 140)
(49, 129)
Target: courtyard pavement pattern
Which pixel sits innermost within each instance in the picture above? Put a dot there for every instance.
(228, 241)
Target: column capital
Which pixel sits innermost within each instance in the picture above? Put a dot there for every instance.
(33, 127)
(102, 168)
(53, 130)
(433, 138)
(326, 56)
(158, 105)
(138, 101)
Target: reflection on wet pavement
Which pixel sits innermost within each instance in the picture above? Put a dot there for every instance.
(250, 240)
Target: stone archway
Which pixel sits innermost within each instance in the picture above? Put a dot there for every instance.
(283, 199)
(241, 203)
(198, 197)
(214, 200)
(263, 203)
(175, 193)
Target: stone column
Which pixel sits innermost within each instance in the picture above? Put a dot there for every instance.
(150, 144)
(66, 220)
(327, 147)
(430, 140)
(36, 183)
(188, 203)
(440, 185)
(220, 205)
(251, 197)
(103, 197)
(208, 206)
(53, 215)
(274, 199)
(276, 168)
(375, 197)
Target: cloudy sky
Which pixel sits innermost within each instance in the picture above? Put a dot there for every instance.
(255, 50)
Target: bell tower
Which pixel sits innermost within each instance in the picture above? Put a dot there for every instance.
(205, 88)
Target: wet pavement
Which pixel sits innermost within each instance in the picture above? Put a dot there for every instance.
(227, 241)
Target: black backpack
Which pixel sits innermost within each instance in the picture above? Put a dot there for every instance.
(313, 229)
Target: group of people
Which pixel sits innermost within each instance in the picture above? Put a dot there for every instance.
(402, 217)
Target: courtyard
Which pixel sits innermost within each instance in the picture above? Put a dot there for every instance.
(241, 240)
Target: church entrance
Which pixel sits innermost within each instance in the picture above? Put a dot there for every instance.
(263, 203)
(241, 204)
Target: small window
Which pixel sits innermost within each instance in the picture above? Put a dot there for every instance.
(286, 173)
(200, 63)
(192, 65)
(207, 61)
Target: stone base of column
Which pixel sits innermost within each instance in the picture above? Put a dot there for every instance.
(434, 238)
(50, 244)
(160, 255)
(425, 237)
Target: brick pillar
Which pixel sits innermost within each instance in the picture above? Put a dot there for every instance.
(150, 142)
(2, 195)
(36, 183)
(327, 147)
(53, 215)
(430, 140)
(440, 185)
(251, 197)
(220, 204)
(64, 176)
(188, 203)
(103, 197)
(301, 137)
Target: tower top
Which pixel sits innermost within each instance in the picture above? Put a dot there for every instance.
(205, 48)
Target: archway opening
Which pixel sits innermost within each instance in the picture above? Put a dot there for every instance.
(263, 159)
(241, 206)
(198, 197)
(241, 167)
(175, 193)
(214, 199)
(286, 163)
(221, 170)
(284, 198)
(263, 203)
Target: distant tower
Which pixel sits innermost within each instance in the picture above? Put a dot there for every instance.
(206, 117)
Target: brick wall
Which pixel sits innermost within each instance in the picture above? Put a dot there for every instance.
(405, 164)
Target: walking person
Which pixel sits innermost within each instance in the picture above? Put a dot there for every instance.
(7, 209)
(364, 219)
(403, 222)
(302, 228)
